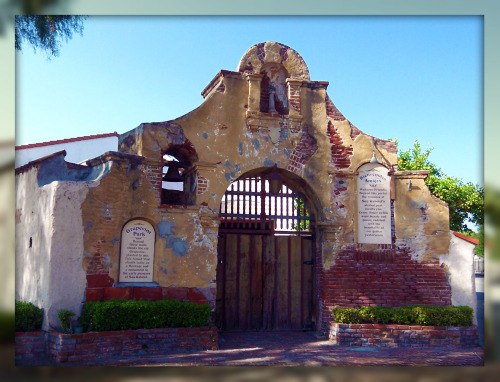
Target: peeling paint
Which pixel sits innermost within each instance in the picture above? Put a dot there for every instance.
(256, 143)
(55, 169)
(340, 183)
(205, 135)
(419, 204)
(88, 226)
(178, 245)
(114, 240)
(268, 162)
(165, 228)
(240, 148)
(230, 176)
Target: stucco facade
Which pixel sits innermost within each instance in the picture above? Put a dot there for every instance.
(268, 112)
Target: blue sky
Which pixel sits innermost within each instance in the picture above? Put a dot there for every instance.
(393, 77)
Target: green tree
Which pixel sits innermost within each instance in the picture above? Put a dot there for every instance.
(46, 32)
(465, 200)
(302, 225)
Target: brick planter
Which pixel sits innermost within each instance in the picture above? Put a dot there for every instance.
(403, 335)
(30, 344)
(93, 345)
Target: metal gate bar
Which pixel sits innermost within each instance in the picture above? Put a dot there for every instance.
(249, 205)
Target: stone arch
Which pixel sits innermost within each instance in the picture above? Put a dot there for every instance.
(291, 180)
(266, 53)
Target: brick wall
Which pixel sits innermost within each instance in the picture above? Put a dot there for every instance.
(30, 344)
(109, 292)
(84, 346)
(154, 174)
(403, 335)
(340, 153)
(294, 99)
(304, 150)
(202, 185)
(92, 345)
(332, 111)
(385, 277)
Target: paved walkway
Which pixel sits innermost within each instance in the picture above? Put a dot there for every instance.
(296, 349)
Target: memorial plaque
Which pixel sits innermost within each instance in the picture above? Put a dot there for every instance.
(137, 252)
(374, 205)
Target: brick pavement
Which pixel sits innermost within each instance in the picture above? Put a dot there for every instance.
(292, 349)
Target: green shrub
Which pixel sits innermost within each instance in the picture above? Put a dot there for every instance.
(405, 315)
(139, 314)
(28, 317)
(64, 316)
(347, 315)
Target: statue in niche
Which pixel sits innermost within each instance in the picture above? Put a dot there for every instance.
(274, 90)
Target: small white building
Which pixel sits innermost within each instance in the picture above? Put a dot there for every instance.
(461, 270)
(78, 149)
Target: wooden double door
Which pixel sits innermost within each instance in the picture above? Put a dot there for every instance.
(264, 282)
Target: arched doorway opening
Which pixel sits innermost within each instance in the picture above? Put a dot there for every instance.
(266, 255)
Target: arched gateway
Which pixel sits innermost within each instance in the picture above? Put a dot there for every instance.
(265, 267)
(346, 228)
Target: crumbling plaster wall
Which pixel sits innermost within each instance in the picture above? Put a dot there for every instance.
(224, 138)
(422, 220)
(49, 245)
(126, 193)
(231, 137)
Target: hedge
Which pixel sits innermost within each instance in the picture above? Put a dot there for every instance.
(28, 317)
(405, 315)
(140, 314)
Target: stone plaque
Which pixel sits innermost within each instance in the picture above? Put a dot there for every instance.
(137, 252)
(374, 204)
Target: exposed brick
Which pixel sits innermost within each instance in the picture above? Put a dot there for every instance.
(117, 293)
(94, 294)
(176, 293)
(402, 336)
(99, 280)
(146, 293)
(365, 278)
(194, 295)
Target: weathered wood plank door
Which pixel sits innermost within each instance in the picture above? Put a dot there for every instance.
(265, 282)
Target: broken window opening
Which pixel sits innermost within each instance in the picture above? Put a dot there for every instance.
(178, 182)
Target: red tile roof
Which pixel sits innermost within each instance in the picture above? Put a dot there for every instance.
(466, 238)
(69, 140)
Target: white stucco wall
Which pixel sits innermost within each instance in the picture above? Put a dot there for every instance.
(76, 152)
(460, 262)
(50, 273)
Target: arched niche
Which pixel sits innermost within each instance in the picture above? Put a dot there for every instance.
(270, 52)
(273, 89)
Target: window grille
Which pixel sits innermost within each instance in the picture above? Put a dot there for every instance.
(249, 206)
